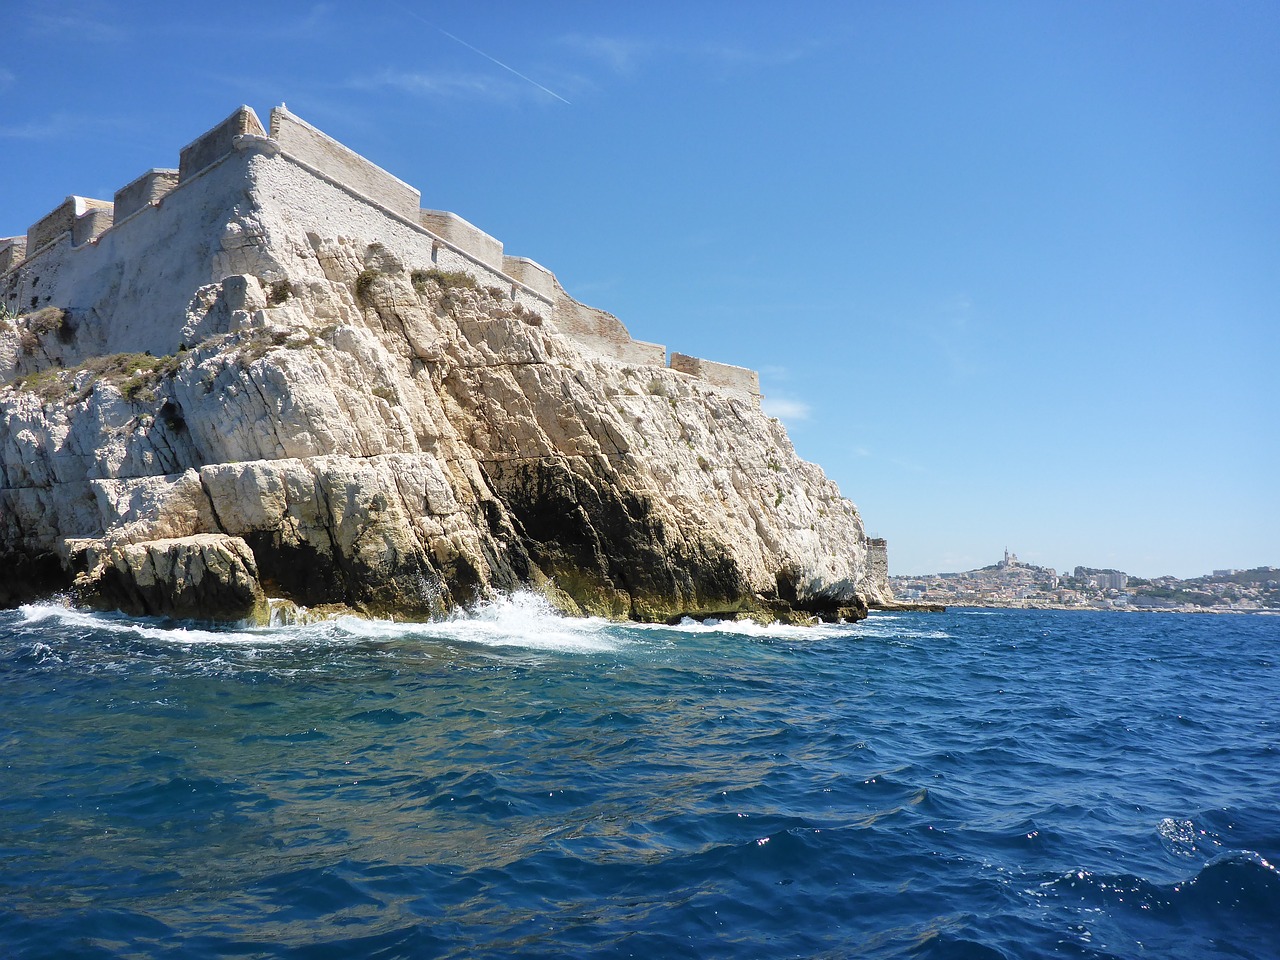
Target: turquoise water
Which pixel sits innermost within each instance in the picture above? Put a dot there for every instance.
(970, 784)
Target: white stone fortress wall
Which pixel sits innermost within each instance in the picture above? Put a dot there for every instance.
(124, 270)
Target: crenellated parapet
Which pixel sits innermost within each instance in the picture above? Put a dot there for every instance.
(179, 223)
(145, 190)
(533, 275)
(82, 217)
(303, 143)
(13, 250)
(603, 333)
(464, 236)
(96, 218)
(212, 145)
(719, 374)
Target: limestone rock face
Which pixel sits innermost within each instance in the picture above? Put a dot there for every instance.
(418, 448)
(355, 425)
(204, 577)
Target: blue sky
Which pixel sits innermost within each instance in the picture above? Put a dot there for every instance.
(1010, 271)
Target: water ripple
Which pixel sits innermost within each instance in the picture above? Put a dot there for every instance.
(977, 784)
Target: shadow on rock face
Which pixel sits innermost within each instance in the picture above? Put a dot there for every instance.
(605, 547)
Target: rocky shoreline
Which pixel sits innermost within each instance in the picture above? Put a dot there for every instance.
(907, 606)
(348, 408)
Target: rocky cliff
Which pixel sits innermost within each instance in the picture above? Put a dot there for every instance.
(340, 416)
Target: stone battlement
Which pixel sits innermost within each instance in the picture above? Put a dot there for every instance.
(81, 217)
(147, 189)
(213, 145)
(72, 248)
(13, 250)
(720, 374)
(301, 141)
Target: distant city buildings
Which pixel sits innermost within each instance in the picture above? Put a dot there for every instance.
(1102, 579)
(1011, 583)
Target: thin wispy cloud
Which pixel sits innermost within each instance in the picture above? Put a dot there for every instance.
(620, 56)
(439, 85)
(733, 56)
(83, 26)
(787, 409)
(585, 57)
(773, 372)
(476, 50)
(7, 79)
(318, 20)
(626, 56)
(779, 403)
(273, 25)
(908, 466)
(54, 127)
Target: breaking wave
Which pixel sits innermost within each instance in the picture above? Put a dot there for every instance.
(523, 620)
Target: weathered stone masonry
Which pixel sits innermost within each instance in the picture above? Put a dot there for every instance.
(99, 259)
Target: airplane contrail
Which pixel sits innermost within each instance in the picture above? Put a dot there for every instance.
(502, 65)
(482, 53)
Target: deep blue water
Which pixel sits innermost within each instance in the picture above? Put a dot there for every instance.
(973, 784)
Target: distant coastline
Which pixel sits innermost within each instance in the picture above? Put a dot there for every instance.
(1013, 585)
(1187, 608)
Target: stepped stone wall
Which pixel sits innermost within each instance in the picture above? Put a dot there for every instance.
(304, 143)
(603, 333)
(533, 275)
(52, 225)
(463, 235)
(131, 290)
(214, 144)
(13, 250)
(407, 245)
(96, 219)
(720, 374)
(82, 217)
(146, 190)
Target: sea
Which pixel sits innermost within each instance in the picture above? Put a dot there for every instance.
(511, 783)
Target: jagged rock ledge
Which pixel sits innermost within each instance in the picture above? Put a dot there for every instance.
(202, 577)
(269, 372)
(907, 606)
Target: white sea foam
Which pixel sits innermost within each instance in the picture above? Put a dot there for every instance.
(520, 620)
(66, 616)
(517, 620)
(749, 628)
